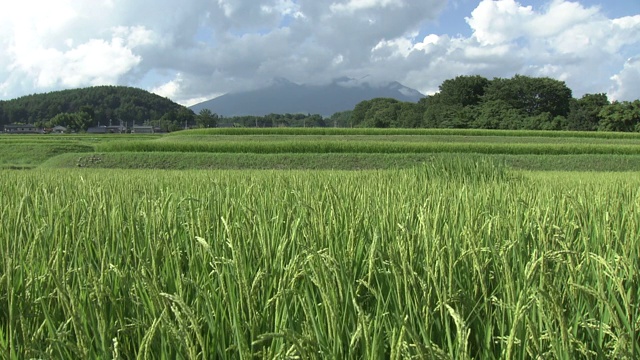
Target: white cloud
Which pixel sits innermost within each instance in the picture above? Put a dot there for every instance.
(563, 40)
(626, 84)
(495, 22)
(356, 5)
(217, 46)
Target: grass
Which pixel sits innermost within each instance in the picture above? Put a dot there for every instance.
(458, 138)
(456, 259)
(331, 161)
(321, 149)
(376, 131)
(366, 146)
(30, 155)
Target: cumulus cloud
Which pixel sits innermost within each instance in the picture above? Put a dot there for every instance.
(627, 82)
(355, 5)
(563, 40)
(196, 49)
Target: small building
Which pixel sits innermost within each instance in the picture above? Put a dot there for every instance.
(142, 129)
(58, 129)
(101, 129)
(97, 130)
(120, 129)
(22, 129)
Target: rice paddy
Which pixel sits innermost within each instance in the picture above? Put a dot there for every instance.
(451, 255)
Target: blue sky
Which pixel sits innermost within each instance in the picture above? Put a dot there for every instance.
(452, 19)
(193, 50)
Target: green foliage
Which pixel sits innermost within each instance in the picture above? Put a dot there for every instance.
(386, 113)
(165, 124)
(206, 119)
(620, 116)
(79, 121)
(521, 102)
(584, 113)
(462, 90)
(532, 96)
(340, 119)
(498, 114)
(103, 104)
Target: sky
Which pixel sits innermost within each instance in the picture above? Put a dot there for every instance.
(194, 50)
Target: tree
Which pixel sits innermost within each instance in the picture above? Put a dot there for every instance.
(498, 114)
(185, 116)
(620, 116)
(378, 112)
(463, 90)
(531, 96)
(409, 115)
(453, 106)
(79, 121)
(315, 120)
(584, 114)
(165, 125)
(341, 119)
(206, 119)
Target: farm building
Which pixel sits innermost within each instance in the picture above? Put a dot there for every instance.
(142, 129)
(22, 129)
(97, 130)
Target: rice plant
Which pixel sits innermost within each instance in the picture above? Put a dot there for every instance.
(366, 146)
(455, 259)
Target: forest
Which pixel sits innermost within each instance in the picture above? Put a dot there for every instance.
(520, 102)
(79, 109)
(475, 102)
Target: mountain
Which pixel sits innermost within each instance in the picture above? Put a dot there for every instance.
(104, 103)
(285, 97)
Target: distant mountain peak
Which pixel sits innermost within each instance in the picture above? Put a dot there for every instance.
(281, 96)
(281, 81)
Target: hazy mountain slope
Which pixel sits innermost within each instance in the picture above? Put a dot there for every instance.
(283, 97)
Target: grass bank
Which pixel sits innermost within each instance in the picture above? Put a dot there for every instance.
(346, 161)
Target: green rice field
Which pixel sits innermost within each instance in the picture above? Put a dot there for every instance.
(307, 245)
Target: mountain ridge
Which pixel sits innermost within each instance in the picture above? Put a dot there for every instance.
(282, 96)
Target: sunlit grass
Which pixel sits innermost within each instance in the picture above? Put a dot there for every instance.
(455, 259)
(367, 146)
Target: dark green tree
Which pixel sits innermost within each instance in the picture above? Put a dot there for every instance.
(79, 121)
(453, 106)
(409, 115)
(497, 114)
(531, 96)
(620, 116)
(340, 119)
(378, 112)
(206, 119)
(463, 90)
(584, 114)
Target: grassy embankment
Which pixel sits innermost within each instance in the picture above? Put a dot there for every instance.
(31, 151)
(324, 149)
(456, 259)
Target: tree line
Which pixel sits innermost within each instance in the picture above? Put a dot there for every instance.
(520, 102)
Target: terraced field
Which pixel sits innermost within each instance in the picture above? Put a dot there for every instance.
(286, 148)
(244, 243)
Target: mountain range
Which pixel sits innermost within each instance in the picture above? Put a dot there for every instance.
(282, 96)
